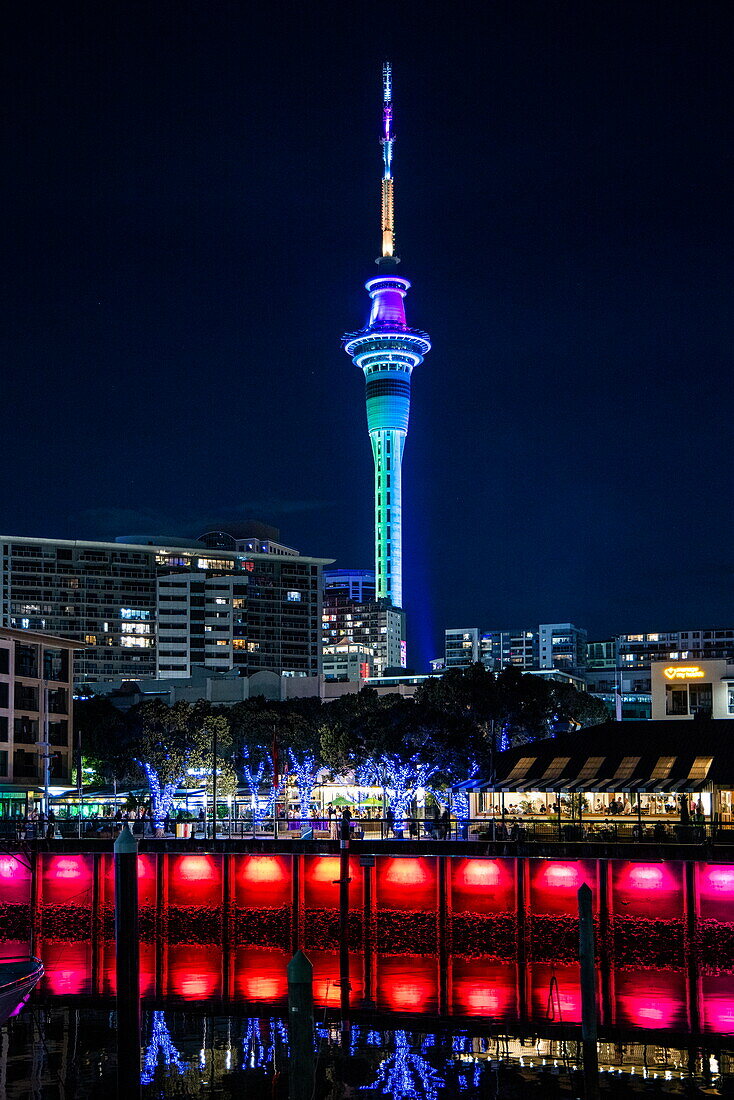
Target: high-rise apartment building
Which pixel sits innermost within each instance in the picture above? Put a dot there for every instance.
(106, 595)
(354, 584)
(375, 624)
(560, 646)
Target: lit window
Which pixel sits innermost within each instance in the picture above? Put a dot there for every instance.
(220, 601)
(135, 642)
(90, 639)
(293, 597)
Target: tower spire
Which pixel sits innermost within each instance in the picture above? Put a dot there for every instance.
(387, 140)
(387, 351)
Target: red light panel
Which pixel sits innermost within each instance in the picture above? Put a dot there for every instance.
(263, 881)
(566, 1003)
(716, 891)
(407, 882)
(321, 882)
(554, 885)
(15, 881)
(647, 889)
(195, 880)
(718, 1003)
(67, 879)
(482, 885)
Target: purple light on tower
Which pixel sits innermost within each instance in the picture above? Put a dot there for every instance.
(387, 350)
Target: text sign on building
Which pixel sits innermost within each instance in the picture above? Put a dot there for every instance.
(683, 672)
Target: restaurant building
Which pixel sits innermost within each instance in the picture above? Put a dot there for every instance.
(634, 775)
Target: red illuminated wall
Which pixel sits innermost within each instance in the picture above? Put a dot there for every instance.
(482, 885)
(716, 891)
(407, 882)
(15, 881)
(647, 889)
(482, 987)
(146, 880)
(262, 881)
(326, 988)
(554, 885)
(67, 879)
(146, 968)
(321, 882)
(407, 983)
(195, 880)
(651, 998)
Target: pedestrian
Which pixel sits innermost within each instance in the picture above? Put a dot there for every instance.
(51, 825)
(445, 826)
(390, 820)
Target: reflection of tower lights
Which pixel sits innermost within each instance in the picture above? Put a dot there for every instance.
(160, 1044)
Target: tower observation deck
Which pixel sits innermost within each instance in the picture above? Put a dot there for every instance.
(387, 351)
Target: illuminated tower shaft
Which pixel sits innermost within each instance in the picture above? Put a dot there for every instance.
(387, 350)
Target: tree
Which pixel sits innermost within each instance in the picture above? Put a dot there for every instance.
(103, 733)
(168, 741)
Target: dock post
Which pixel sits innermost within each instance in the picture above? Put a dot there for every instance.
(301, 1083)
(127, 964)
(588, 994)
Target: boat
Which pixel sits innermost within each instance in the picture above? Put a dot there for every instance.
(18, 975)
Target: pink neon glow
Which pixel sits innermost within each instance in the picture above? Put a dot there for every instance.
(196, 867)
(721, 880)
(15, 887)
(9, 866)
(321, 882)
(565, 1003)
(716, 891)
(480, 987)
(406, 871)
(67, 868)
(480, 872)
(651, 999)
(647, 878)
(647, 889)
(718, 1003)
(563, 876)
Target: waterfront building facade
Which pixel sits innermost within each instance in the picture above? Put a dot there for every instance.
(36, 709)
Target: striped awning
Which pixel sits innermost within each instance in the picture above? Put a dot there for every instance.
(518, 773)
(551, 775)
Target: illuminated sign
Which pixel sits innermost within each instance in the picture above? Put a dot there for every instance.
(683, 672)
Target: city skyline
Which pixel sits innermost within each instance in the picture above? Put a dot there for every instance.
(191, 212)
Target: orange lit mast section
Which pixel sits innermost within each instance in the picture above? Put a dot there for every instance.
(388, 206)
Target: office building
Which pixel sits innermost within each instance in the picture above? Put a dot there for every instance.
(461, 647)
(502, 648)
(387, 351)
(354, 584)
(36, 710)
(106, 596)
(562, 646)
(684, 689)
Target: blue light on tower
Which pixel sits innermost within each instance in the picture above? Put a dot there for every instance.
(387, 350)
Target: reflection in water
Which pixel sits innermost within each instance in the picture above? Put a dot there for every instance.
(56, 1052)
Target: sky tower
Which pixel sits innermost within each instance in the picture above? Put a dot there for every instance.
(387, 350)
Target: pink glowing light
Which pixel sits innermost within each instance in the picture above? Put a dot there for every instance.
(10, 867)
(405, 871)
(196, 868)
(479, 872)
(562, 876)
(646, 877)
(67, 868)
(720, 879)
(651, 999)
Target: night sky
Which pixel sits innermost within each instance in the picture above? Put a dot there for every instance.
(190, 201)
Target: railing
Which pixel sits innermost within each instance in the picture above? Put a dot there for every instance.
(509, 831)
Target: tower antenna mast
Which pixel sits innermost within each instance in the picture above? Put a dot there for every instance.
(387, 141)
